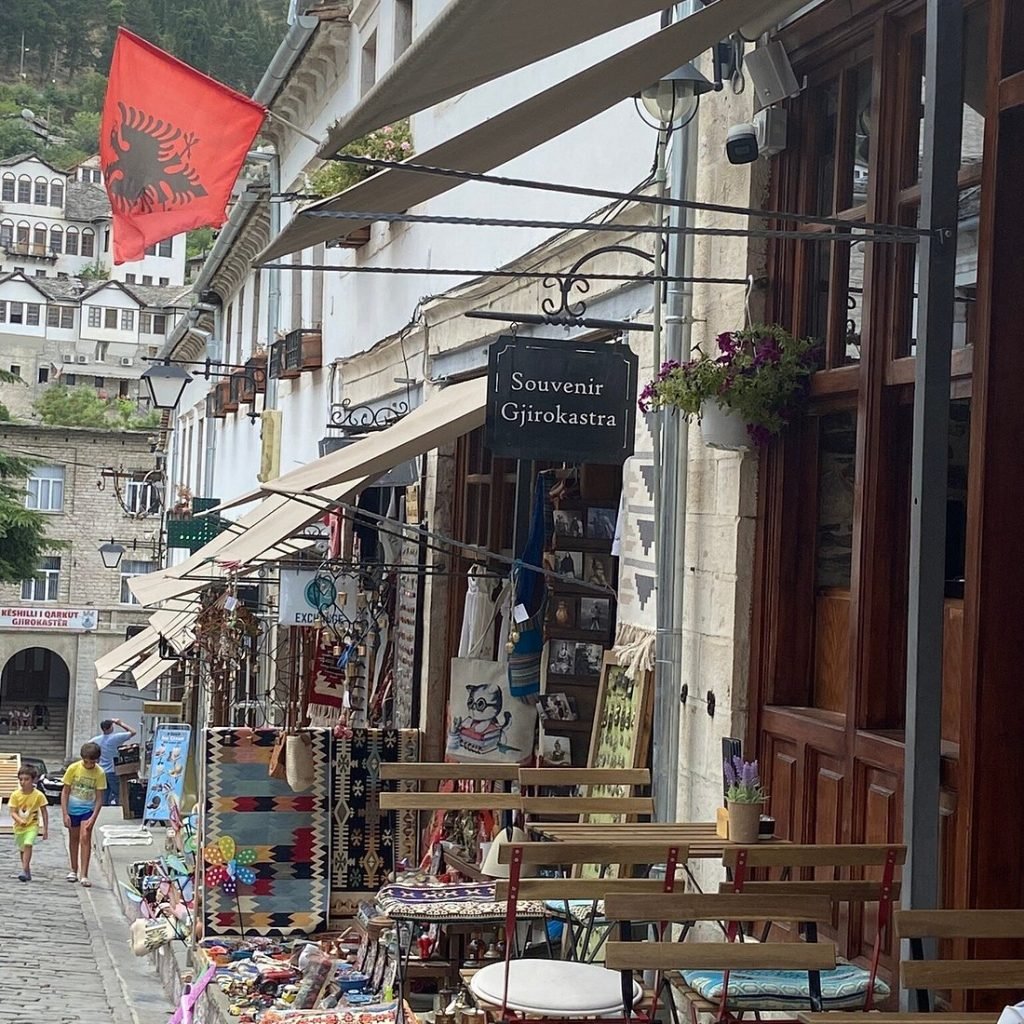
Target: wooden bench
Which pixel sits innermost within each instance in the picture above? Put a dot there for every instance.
(729, 958)
(924, 976)
(623, 804)
(426, 772)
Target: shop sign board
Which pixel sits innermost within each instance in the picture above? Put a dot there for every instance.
(561, 400)
(308, 596)
(71, 619)
(167, 771)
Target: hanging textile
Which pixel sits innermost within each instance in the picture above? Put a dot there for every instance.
(479, 615)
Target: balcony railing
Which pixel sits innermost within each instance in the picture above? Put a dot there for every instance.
(30, 250)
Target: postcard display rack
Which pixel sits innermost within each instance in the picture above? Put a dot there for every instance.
(580, 627)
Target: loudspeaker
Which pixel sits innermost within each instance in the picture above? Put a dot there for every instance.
(771, 74)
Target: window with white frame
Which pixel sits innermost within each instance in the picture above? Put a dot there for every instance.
(110, 319)
(45, 585)
(60, 316)
(56, 193)
(56, 239)
(164, 249)
(7, 193)
(127, 319)
(7, 234)
(41, 192)
(32, 314)
(95, 314)
(128, 570)
(88, 242)
(17, 313)
(45, 489)
(141, 497)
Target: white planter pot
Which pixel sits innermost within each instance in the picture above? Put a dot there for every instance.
(723, 428)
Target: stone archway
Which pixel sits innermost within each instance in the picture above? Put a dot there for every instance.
(36, 680)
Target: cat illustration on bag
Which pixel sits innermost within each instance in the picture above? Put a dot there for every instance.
(483, 729)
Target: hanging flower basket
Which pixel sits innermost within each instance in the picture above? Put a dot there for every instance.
(724, 429)
(753, 385)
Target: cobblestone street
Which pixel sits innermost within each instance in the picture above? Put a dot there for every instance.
(64, 955)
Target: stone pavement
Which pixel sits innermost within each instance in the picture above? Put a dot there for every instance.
(64, 955)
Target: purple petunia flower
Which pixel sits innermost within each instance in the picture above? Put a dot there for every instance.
(727, 344)
(767, 350)
(759, 434)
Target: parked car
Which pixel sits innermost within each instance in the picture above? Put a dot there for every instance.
(49, 783)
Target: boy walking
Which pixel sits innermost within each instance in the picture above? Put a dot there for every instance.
(28, 806)
(81, 798)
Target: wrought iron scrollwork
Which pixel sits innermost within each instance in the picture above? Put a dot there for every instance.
(564, 311)
(365, 419)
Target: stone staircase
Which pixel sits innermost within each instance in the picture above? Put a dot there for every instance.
(46, 744)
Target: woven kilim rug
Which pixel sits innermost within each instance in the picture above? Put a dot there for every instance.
(367, 841)
(289, 832)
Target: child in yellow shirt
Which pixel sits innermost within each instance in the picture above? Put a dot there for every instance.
(28, 805)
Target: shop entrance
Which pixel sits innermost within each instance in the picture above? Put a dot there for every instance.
(34, 692)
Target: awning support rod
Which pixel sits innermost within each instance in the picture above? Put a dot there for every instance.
(604, 193)
(614, 227)
(515, 274)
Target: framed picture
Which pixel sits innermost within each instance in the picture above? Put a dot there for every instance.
(555, 751)
(568, 523)
(556, 707)
(562, 658)
(569, 563)
(601, 523)
(598, 570)
(562, 612)
(595, 614)
(588, 659)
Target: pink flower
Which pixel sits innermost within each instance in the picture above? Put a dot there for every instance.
(388, 129)
(405, 147)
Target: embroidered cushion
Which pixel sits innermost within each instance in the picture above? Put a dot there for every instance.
(471, 901)
(844, 988)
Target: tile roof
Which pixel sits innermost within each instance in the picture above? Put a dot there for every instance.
(159, 296)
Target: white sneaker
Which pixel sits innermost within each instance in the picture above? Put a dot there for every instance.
(71, 877)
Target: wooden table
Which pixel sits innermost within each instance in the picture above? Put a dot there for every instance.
(699, 836)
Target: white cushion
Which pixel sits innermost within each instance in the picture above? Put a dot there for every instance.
(554, 988)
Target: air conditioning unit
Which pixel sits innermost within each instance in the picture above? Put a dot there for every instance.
(81, 359)
(67, 358)
(127, 360)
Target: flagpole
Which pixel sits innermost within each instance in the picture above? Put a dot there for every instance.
(294, 127)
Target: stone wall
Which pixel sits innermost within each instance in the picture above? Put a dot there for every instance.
(90, 517)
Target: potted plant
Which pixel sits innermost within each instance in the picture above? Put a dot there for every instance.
(744, 395)
(744, 797)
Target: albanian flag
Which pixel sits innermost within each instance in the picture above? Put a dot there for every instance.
(172, 142)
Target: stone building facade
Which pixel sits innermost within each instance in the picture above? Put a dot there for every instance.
(54, 627)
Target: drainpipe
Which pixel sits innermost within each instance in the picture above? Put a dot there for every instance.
(273, 162)
(214, 354)
(671, 443)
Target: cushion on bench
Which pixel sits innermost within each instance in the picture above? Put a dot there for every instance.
(844, 988)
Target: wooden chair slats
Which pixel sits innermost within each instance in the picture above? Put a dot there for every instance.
(720, 956)
(841, 890)
(423, 771)
(962, 974)
(584, 776)
(587, 805)
(592, 853)
(795, 855)
(714, 907)
(960, 924)
(450, 802)
(577, 888)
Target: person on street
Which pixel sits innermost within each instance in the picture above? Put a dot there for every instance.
(28, 806)
(109, 743)
(80, 801)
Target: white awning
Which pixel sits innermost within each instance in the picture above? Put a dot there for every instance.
(173, 625)
(441, 419)
(152, 668)
(528, 124)
(480, 42)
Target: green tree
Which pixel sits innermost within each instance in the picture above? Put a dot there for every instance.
(22, 531)
(85, 131)
(199, 242)
(16, 138)
(60, 406)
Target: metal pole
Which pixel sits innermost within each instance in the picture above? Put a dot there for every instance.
(664, 768)
(939, 201)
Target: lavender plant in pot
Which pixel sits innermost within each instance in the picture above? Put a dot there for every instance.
(744, 798)
(743, 395)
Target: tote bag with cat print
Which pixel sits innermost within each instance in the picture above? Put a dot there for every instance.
(486, 723)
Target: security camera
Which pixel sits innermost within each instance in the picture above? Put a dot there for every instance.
(741, 144)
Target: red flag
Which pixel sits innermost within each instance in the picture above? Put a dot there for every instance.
(172, 143)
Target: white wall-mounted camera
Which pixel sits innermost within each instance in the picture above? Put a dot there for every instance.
(741, 145)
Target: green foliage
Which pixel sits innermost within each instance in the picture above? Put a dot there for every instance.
(5, 413)
(761, 372)
(393, 142)
(85, 131)
(94, 272)
(15, 138)
(199, 242)
(59, 406)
